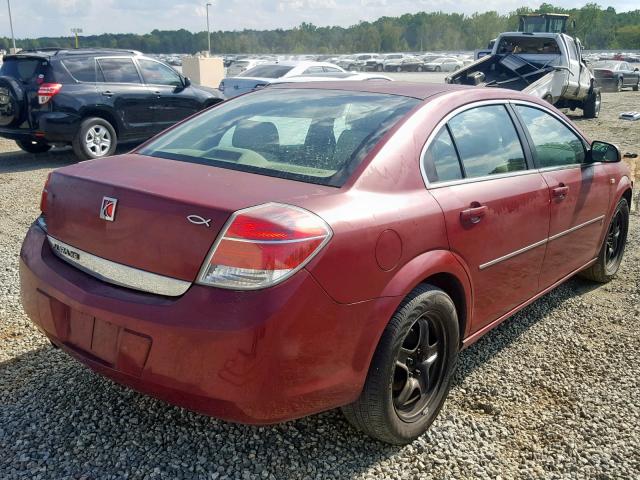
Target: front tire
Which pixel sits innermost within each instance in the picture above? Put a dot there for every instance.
(591, 104)
(96, 138)
(612, 251)
(33, 146)
(411, 369)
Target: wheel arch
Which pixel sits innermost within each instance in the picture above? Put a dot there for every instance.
(442, 269)
(105, 115)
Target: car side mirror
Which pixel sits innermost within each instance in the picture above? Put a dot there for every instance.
(186, 82)
(603, 152)
(636, 69)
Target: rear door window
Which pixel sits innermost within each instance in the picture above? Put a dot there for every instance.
(82, 69)
(441, 161)
(487, 141)
(118, 70)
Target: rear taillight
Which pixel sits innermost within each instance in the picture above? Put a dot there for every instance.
(47, 91)
(43, 196)
(221, 86)
(263, 245)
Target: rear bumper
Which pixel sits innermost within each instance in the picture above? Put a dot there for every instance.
(252, 357)
(54, 127)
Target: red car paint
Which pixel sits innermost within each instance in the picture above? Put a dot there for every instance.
(304, 345)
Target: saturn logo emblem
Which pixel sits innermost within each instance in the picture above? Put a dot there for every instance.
(198, 220)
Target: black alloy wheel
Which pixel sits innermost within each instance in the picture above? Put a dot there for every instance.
(418, 370)
(616, 237)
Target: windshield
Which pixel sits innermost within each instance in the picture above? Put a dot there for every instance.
(315, 136)
(267, 71)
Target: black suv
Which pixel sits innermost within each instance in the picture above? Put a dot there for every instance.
(92, 99)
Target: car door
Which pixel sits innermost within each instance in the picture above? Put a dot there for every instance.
(579, 192)
(120, 85)
(172, 100)
(496, 207)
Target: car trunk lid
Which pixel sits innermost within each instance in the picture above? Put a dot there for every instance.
(167, 215)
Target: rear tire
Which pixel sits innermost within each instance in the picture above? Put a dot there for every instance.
(591, 104)
(96, 138)
(411, 369)
(420, 69)
(612, 250)
(33, 146)
(438, 69)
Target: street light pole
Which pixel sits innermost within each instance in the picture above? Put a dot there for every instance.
(208, 31)
(76, 31)
(13, 39)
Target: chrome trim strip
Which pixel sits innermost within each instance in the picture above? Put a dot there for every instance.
(512, 254)
(540, 243)
(279, 242)
(577, 227)
(116, 273)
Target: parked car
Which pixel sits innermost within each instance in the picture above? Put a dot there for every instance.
(614, 75)
(92, 99)
(262, 75)
(345, 242)
(391, 62)
(443, 64)
(241, 65)
(543, 64)
(404, 63)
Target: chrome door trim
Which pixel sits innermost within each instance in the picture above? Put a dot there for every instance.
(512, 254)
(116, 273)
(577, 227)
(540, 243)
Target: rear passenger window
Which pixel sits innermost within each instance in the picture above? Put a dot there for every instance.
(554, 144)
(82, 69)
(487, 141)
(440, 161)
(118, 70)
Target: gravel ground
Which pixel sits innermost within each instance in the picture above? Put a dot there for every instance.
(552, 393)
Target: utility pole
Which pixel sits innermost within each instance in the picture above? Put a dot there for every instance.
(208, 32)
(76, 31)
(13, 38)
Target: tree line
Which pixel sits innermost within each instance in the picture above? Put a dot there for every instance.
(597, 27)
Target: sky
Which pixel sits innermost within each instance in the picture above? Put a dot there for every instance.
(35, 18)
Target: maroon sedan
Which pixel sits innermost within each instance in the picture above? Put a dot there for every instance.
(315, 246)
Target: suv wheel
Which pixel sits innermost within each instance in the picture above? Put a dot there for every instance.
(96, 138)
(33, 146)
(411, 369)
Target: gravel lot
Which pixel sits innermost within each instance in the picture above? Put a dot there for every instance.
(552, 393)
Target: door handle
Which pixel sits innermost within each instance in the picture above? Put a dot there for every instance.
(474, 213)
(560, 192)
(107, 93)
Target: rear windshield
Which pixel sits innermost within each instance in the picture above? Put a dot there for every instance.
(26, 70)
(266, 71)
(314, 136)
(604, 64)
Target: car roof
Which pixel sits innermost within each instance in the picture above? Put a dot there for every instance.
(406, 89)
(420, 91)
(59, 52)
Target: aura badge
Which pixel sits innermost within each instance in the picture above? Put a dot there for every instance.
(108, 209)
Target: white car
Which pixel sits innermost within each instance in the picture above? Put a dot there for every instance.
(444, 64)
(264, 74)
(239, 66)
